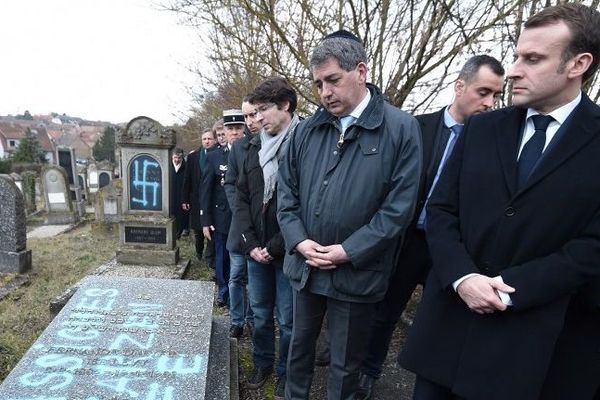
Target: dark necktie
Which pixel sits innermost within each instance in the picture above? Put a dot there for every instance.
(532, 151)
(457, 130)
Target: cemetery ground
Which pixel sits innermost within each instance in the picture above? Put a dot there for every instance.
(61, 261)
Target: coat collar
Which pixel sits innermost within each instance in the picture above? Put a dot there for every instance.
(581, 127)
(577, 130)
(370, 119)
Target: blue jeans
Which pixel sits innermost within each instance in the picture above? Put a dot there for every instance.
(239, 309)
(270, 291)
(222, 265)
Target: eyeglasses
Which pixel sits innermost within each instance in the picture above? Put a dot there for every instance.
(264, 107)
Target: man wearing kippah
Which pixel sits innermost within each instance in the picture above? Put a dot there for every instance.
(347, 192)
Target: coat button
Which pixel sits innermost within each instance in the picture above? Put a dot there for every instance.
(317, 214)
(325, 183)
(509, 211)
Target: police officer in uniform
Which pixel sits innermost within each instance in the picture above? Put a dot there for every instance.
(215, 212)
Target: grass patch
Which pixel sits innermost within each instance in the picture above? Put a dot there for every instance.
(63, 260)
(58, 263)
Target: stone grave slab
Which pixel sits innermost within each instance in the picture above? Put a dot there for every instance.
(14, 257)
(121, 338)
(57, 197)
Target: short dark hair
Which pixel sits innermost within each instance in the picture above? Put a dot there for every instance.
(178, 151)
(473, 64)
(583, 23)
(275, 90)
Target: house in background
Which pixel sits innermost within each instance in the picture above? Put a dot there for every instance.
(12, 132)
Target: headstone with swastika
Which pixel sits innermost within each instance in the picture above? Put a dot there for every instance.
(124, 338)
(146, 226)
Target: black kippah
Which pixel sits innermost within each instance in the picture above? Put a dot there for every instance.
(342, 34)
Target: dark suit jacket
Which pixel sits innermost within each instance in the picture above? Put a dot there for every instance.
(191, 184)
(215, 207)
(434, 136)
(411, 265)
(177, 181)
(239, 148)
(543, 239)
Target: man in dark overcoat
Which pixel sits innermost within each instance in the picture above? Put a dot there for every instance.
(182, 217)
(192, 181)
(514, 233)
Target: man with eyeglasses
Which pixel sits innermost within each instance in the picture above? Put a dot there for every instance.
(270, 291)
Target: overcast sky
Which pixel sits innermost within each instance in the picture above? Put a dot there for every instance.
(109, 60)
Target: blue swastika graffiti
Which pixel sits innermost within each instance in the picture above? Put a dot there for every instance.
(145, 183)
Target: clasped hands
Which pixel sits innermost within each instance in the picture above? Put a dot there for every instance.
(322, 257)
(261, 255)
(480, 293)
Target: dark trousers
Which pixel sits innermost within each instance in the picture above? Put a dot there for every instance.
(209, 253)
(348, 329)
(427, 390)
(412, 268)
(182, 221)
(222, 265)
(574, 372)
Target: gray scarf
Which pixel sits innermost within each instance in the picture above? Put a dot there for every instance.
(271, 151)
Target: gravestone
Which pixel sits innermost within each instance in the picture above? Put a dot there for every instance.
(57, 195)
(109, 202)
(103, 179)
(105, 172)
(121, 338)
(82, 181)
(66, 159)
(92, 173)
(146, 227)
(29, 194)
(18, 180)
(14, 257)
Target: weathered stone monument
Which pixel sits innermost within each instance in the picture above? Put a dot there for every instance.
(109, 200)
(92, 175)
(14, 257)
(29, 178)
(18, 180)
(66, 159)
(82, 181)
(57, 195)
(146, 226)
(105, 172)
(124, 338)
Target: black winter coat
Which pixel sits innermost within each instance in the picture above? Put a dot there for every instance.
(257, 223)
(215, 208)
(237, 154)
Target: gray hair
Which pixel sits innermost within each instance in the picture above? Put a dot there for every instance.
(348, 53)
